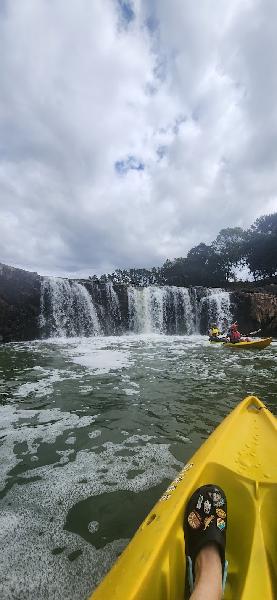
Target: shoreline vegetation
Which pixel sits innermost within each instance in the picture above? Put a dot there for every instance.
(253, 251)
(254, 302)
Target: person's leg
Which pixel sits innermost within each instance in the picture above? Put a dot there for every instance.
(208, 574)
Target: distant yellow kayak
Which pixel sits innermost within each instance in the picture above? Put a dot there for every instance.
(241, 457)
(248, 345)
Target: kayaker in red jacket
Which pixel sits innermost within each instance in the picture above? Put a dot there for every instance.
(234, 333)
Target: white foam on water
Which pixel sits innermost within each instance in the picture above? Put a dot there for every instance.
(29, 569)
(32, 427)
(85, 389)
(156, 461)
(93, 526)
(102, 362)
(33, 516)
(94, 434)
(99, 354)
(70, 440)
(64, 454)
(130, 392)
(44, 386)
(136, 438)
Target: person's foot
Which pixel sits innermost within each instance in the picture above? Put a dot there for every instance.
(208, 574)
(208, 559)
(205, 527)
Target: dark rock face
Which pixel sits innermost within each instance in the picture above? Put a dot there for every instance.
(256, 310)
(19, 304)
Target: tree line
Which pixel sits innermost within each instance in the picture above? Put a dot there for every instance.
(215, 264)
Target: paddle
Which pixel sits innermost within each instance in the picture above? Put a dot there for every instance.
(254, 332)
(246, 335)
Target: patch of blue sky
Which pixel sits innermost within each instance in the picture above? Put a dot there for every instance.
(162, 151)
(160, 70)
(126, 10)
(160, 74)
(151, 89)
(3, 7)
(152, 24)
(178, 122)
(131, 163)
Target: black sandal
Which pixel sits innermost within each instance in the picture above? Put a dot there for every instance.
(205, 523)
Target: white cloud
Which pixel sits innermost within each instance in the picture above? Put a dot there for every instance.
(186, 108)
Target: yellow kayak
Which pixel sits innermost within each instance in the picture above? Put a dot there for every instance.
(241, 457)
(253, 344)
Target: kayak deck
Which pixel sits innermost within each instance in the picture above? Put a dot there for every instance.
(253, 344)
(240, 456)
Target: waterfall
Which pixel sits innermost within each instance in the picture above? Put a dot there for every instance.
(219, 303)
(113, 307)
(217, 308)
(146, 309)
(157, 309)
(176, 310)
(183, 310)
(67, 309)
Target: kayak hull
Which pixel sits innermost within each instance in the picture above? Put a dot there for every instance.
(249, 345)
(240, 456)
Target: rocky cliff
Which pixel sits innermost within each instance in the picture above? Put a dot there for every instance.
(19, 304)
(257, 310)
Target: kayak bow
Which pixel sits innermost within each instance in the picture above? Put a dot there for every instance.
(241, 457)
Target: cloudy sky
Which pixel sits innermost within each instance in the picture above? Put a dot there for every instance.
(131, 130)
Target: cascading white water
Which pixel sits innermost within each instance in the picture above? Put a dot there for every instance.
(183, 309)
(177, 310)
(67, 308)
(113, 302)
(218, 306)
(146, 309)
(195, 309)
(155, 309)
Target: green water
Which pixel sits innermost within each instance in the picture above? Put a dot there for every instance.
(91, 432)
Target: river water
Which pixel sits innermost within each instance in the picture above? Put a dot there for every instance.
(92, 431)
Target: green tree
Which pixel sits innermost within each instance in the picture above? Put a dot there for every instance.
(174, 272)
(230, 246)
(204, 266)
(265, 225)
(261, 247)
